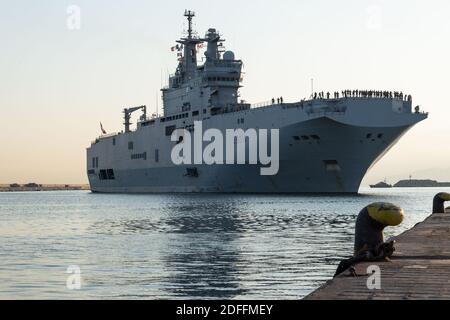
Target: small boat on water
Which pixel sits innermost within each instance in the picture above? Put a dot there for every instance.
(381, 185)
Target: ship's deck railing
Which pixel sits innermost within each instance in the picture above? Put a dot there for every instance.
(231, 108)
(104, 136)
(345, 94)
(366, 94)
(312, 105)
(308, 105)
(262, 104)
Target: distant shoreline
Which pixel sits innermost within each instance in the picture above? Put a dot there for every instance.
(44, 187)
(412, 183)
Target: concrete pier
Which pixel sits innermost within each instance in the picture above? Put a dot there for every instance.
(419, 269)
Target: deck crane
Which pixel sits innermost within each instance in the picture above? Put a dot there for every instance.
(127, 116)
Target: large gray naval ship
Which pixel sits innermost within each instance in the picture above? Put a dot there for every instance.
(327, 143)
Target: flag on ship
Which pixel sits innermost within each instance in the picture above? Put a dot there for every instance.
(101, 128)
(177, 47)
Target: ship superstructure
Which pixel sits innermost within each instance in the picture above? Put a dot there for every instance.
(327, 143)
(208, 88)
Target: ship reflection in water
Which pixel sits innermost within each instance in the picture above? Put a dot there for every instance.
(181, 246)
(221, 247)
(210, 257)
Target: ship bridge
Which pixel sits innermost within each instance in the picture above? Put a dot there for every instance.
(205, 88)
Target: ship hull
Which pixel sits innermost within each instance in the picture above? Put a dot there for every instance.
(336, 162)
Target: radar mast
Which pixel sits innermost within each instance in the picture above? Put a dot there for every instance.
(188, 65)
(189, 15)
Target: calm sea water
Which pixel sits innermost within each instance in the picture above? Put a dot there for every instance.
(182, 246)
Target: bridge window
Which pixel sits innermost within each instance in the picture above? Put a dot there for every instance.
(130, 145)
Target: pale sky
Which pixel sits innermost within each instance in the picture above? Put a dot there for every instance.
(58, 84)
